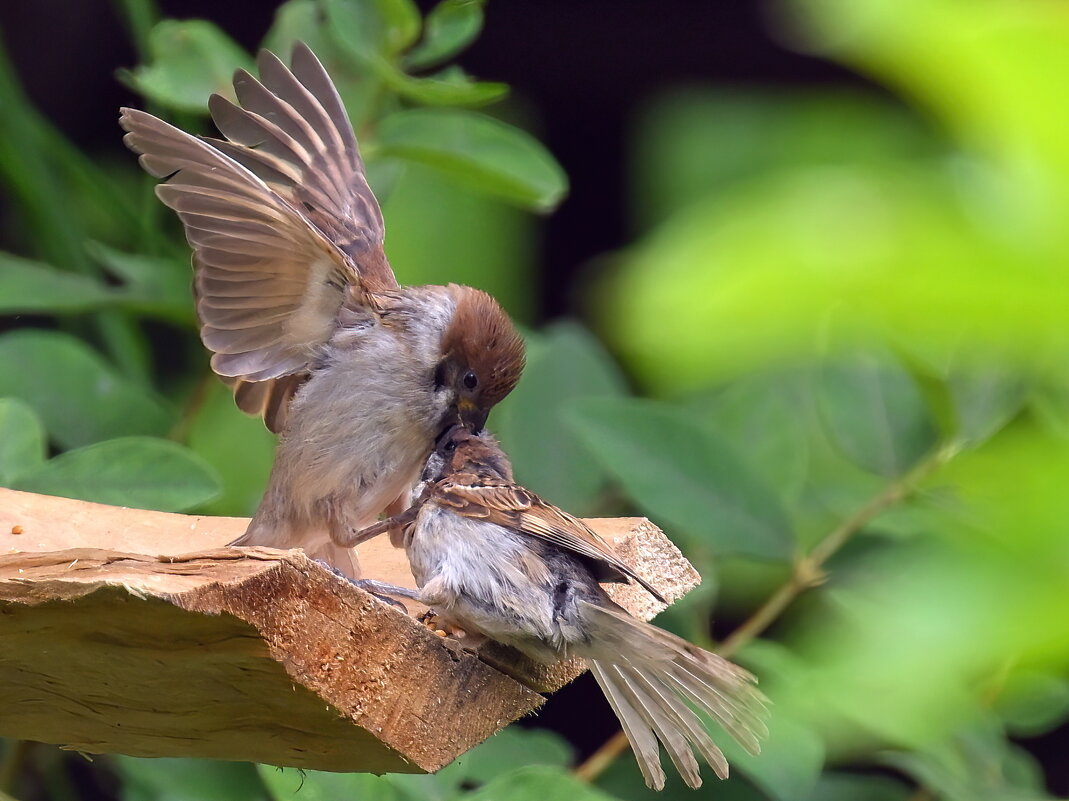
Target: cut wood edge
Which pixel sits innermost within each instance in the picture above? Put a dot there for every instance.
(128, 644)
(260, 657)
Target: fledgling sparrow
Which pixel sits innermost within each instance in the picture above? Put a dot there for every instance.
(491, 557)
(302, 311)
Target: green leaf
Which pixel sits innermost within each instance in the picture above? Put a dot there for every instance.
(373, 28)
(875, 413)
(343, 57)
(1033, 703)
(498, 755)
(80, 397)
(693, 142)
(711, 295)
(539, 783)
(238, 447)
(479, 151)
(790, 762)
(441, 232)
(315, 785)
(765, 419)
(173, 779)
(985, 399)
(143, 472)
(978, 764)
(373, 32)
(849, 787)
(22, 440)
(623, 780)
(356, 26)
(450, 27)
(515, 746)
(567, 365)
(28, 287)
(191, 59)
(792, 756)
(450, 87)
(441, 786)
(684, 477)
(296, 21)
(967, 68)
(1049, 402)
(152, 286)
(402, 22)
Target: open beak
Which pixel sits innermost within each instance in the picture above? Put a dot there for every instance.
(471, 416)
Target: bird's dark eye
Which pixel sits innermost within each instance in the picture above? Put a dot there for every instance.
(450, 446)
(471, 381)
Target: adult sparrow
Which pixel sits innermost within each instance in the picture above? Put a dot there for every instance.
(491, 557)
(303, 314)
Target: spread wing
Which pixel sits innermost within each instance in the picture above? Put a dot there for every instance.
(283, 225)
(506, 504)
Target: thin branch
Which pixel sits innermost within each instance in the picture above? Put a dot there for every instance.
(808, 572)
(199, 396)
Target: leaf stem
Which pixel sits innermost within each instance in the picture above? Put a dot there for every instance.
(807, 572)
(199, 396)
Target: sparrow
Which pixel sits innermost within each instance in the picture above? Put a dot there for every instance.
(303, 314)
(491, 557)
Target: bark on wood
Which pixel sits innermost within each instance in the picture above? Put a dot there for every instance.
(137, 632)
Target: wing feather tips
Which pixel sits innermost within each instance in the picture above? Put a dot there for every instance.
(311, 72)
(280, 217)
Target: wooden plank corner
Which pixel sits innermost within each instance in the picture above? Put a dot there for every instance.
(138, 632)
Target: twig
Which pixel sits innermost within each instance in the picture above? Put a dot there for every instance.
(199, 396)
(808, 572)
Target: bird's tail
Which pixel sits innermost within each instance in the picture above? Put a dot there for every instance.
(655, 681)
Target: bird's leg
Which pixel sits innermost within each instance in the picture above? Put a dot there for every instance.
(380, 589)
(376, 587)
(384, 590)
(346, 537)
(397, 509)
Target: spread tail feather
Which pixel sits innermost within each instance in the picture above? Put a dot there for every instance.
(649, 676)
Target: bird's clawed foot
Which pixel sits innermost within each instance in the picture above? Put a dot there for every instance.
(453, 636)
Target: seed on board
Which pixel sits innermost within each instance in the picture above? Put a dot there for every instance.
(16, 529)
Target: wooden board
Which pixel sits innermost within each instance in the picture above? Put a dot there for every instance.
(137, 632)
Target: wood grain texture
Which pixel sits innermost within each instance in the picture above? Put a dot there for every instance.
(137, 632)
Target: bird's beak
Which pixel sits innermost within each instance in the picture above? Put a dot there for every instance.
(472, 416)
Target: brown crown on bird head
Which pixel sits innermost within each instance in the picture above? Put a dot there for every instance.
(484, 354)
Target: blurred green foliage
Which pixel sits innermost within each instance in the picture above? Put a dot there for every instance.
(846, 314)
